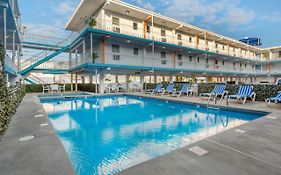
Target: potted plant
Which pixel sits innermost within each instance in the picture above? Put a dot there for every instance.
(91, 21)
(94, 57)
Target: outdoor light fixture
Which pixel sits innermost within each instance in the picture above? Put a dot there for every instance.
(181, 72)
(128, 41)
(127, 12)
(108, 68)
(163, 23)
(164, 47)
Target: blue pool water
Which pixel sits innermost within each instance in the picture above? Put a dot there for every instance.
(105, 135)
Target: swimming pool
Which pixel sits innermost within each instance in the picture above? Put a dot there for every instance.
(105, 135)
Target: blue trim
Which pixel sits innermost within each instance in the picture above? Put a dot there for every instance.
(104, 66)
(29, 81)
(53, 71)
(28, 69)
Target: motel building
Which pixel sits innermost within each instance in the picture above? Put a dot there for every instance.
(128, 42)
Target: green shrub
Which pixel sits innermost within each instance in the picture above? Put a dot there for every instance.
(87, 87)
(30, 88)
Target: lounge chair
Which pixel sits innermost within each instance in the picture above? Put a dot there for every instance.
(169, 89)
(244, 92)
(157, 89)
(185, 89)
(219, 90)
(276, 99)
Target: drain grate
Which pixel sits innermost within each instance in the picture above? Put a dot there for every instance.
(272, 117)
(197, 150)
(44, 124)
(39, 115)
(26, 138)
(240, 131)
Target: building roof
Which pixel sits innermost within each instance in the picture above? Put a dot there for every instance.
(89, 8)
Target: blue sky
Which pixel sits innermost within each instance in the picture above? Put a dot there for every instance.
(233, 18)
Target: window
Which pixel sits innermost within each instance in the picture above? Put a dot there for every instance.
(148, 29)
(163, 54)
(216, 45)
(163, 33)
(190, 58)
(190, 39)
(240, 64)
(198, 59)
(207, 61)
(179, 57)
(222, 47)
(207, 43)
(115, 21)
(115, 48)
(245, 65)
(135, 26)
(233, 64)
(136, 51)
(179, 37)
(216, 62)
(223, 63)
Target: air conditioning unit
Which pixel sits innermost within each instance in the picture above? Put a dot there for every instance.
(164, 39)
(116, 29)
(180, 43)
(217, 51)
(164, 62)
(180, 63)
(207, 49)
(116, 57)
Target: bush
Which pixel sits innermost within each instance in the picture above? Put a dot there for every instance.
(87, 87)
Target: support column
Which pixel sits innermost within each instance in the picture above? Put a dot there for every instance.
(116, 79)
(96, 85)
(171, 78)
(84, 51)
(127, 81)
(69, 59)
(18, 58)
(101, 83)
(5, 27)
(83, 79)
(91, 79)
(71, 82)
(155, 79)
(142, 82)
(91, 47)
(14, 48)
(76, 82)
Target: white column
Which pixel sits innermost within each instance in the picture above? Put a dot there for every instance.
(5, 27)
(171, 78)
(101, 83)
(96, 85)
(18, 58)
(141, 82)
(90, 79)
(14, 48)
(70, 60)
(84, 51)
(127, 81)
(91, 47)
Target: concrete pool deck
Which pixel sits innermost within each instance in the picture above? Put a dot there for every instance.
(256, 150)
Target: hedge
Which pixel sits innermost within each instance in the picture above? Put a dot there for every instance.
(10, 98)
(29, 88)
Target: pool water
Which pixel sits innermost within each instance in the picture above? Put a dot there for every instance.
(105, 135)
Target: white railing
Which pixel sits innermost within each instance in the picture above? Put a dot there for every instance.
(172, 39)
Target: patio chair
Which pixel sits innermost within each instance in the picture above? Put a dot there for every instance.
(219, 90)
(244, 92)
(46, 87)
(169, 89)
(62, 88)
(276, 99)
(157, 89)
(185, 89)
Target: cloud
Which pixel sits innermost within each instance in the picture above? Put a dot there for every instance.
(274, 17)
(45, 29)
(64, 8)
(219, 12)
(144, 4)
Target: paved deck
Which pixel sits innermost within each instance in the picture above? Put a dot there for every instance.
(256, 151)
(44, 155)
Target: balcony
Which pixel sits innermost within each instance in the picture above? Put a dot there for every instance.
(167, 38)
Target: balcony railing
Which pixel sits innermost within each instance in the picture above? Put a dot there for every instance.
(171, 39)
